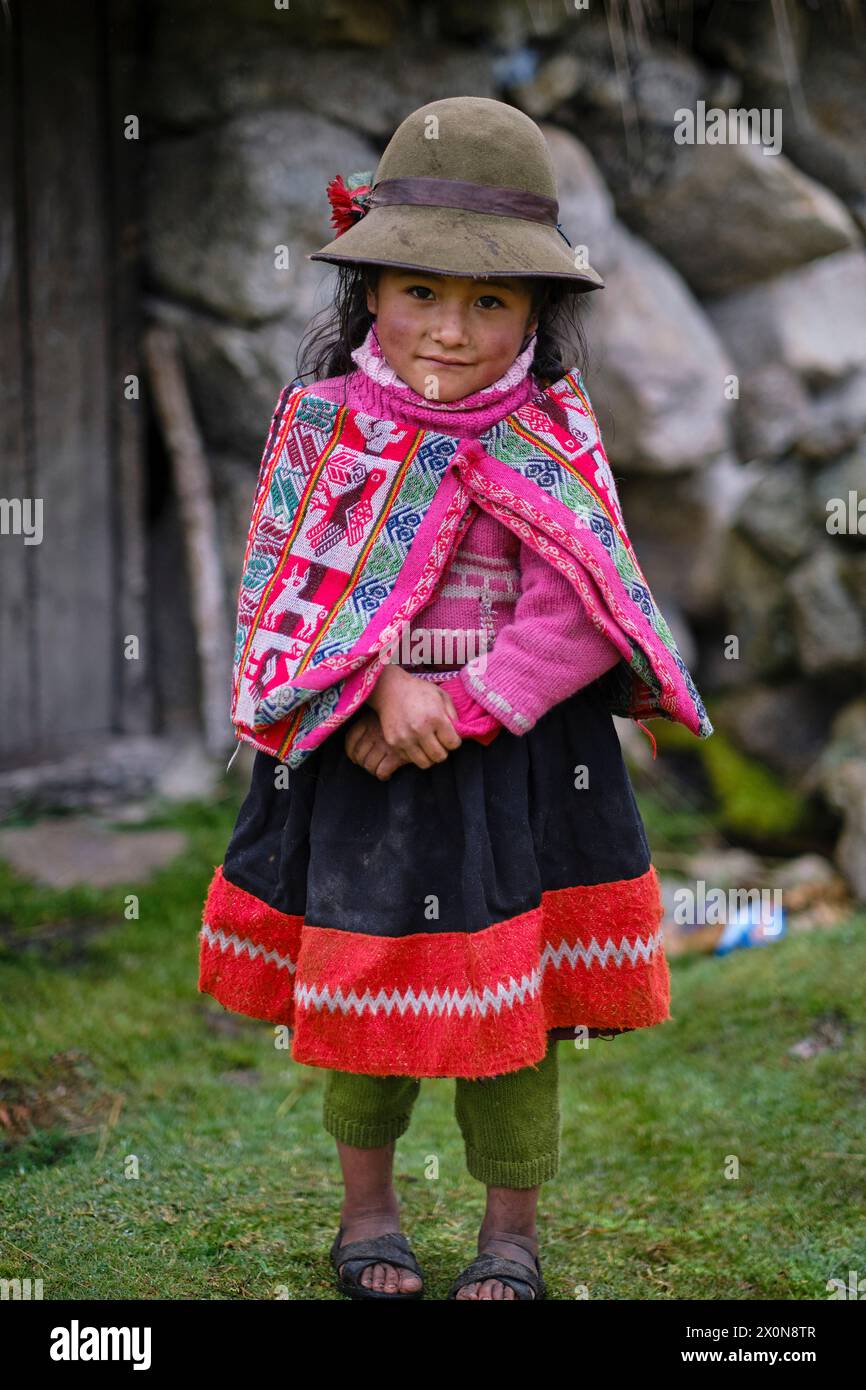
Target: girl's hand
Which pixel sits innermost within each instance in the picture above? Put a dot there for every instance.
(415, 716)
(366, 746)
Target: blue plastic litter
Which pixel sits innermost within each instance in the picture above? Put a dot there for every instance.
(757, 924)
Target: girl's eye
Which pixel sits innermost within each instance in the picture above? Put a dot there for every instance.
(425, 290)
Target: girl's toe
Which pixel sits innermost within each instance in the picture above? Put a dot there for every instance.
(385, 1278)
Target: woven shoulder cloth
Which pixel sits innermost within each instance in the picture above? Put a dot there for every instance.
(352, 528)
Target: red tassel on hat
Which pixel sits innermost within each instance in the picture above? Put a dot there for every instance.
(348, 201)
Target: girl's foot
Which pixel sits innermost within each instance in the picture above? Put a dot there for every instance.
(362, 1225)
(510, 1250)
(370, 1208)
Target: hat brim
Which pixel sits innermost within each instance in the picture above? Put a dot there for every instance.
(454, 241)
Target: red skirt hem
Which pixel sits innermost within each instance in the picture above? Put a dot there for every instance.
(443, 1004)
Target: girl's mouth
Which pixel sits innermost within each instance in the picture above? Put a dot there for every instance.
(446, 362)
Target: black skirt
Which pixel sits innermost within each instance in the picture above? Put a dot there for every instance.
(442, 922)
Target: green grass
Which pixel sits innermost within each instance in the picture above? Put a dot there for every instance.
(198, 1168)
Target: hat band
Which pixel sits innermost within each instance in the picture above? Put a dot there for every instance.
(473, 197)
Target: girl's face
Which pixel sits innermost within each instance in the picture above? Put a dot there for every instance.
(447, 335)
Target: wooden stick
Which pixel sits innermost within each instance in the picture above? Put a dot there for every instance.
(199, 523)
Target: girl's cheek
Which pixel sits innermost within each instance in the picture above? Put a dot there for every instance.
(499, 338)
(399, 322)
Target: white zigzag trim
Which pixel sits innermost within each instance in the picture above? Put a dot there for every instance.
(473, 1001)
(241, 943)
(438, 1001)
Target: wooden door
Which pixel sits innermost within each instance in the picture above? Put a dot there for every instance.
(70, 440)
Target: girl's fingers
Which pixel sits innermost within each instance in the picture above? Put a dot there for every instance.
(433, 745)
(449, 705)
(365, 746)
(421, 750)
(415, 753)
(375, 756)
(387, 767)
(350, 744)
(448, 735)
(360, 728)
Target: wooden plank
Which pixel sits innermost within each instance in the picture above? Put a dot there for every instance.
(73, 377)
(192, 486)
(18, 729)
(136, 684)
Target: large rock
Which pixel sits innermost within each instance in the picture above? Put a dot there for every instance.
(586, 211)
(508, 24)
(832, 490)
(626, 104)
(785, 725)
(661, 369)
(776, 514)
(659, 393)
(775, 412)
(759, 611)
(829, 627)
(824, 110)
(684, 556)
(759, 41)
(847, 794)
(799, 347)
(729, 215)
(810, 320)
(836, 418)
(726, 215)
(210, 68)
(550, 83)
(853, 570)
(223, 201)
(840, 773)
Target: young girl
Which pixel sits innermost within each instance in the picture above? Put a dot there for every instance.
(454, 873)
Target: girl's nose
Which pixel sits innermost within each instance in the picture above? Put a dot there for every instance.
(450, 330)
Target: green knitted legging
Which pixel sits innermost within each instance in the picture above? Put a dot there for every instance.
(509, 1123)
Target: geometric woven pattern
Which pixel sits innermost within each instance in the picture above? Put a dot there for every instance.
(354, 521)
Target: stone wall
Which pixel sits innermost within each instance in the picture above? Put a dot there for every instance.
(728, 349)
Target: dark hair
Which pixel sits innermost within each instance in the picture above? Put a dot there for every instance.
(326, 348)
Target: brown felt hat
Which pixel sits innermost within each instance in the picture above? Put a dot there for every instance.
(465, 186)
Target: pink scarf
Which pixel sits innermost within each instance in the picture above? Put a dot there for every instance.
(377, 390)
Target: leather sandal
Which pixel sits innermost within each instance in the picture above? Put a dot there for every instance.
(527, 1283)
(349, 1262)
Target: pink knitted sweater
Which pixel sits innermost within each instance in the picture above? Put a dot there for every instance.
(540, 643)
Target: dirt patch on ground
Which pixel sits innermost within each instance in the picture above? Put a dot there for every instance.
(65, 943)
(61, 1101)
(63, 851)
